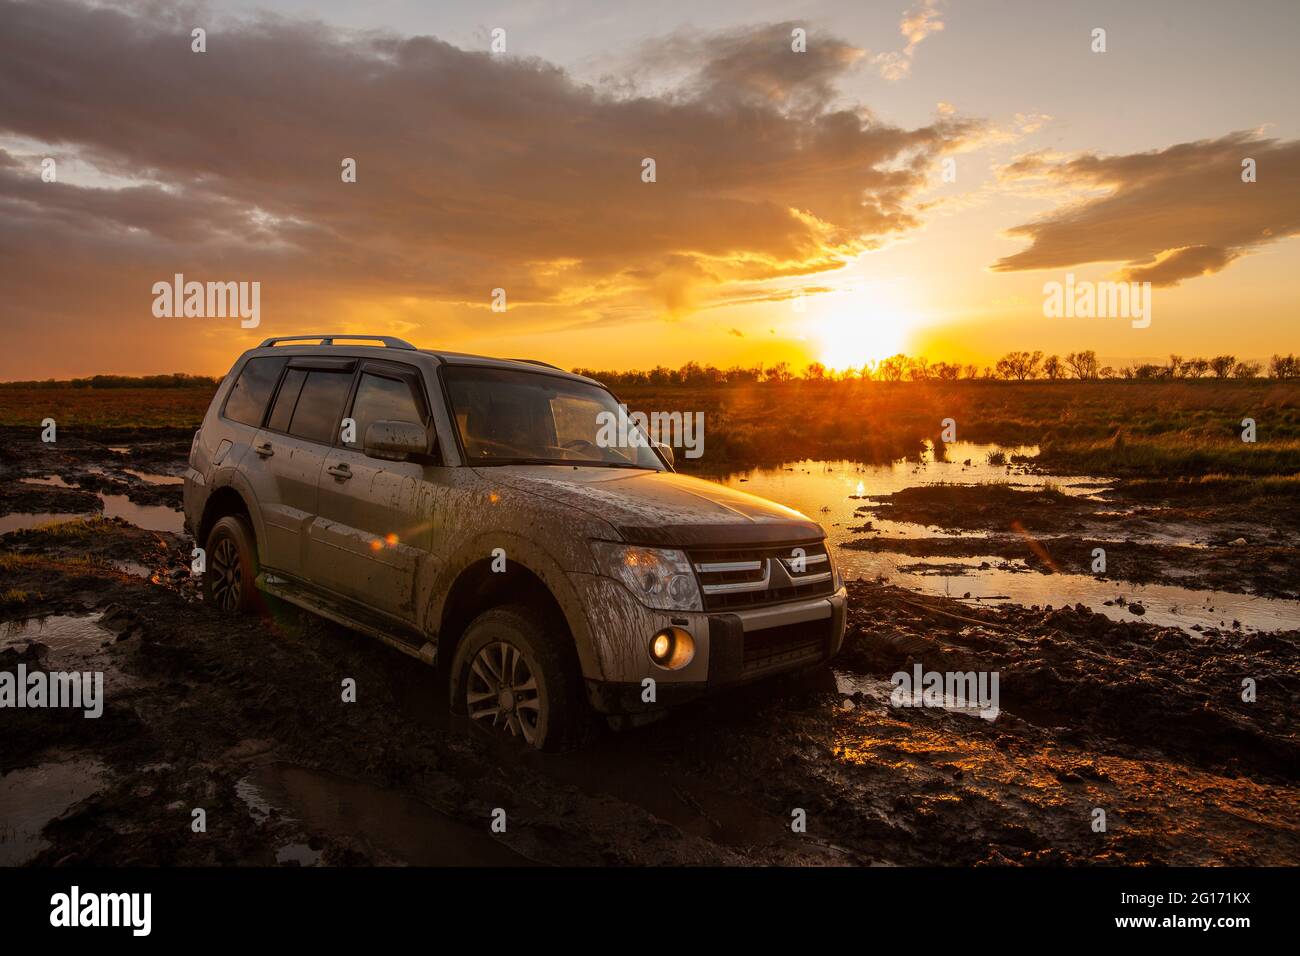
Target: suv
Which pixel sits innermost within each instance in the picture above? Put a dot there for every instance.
(465, 511)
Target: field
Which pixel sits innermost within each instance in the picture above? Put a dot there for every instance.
(1191, 428)
(94, 410)
(1181, 429)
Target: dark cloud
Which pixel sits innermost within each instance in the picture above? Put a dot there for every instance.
(474, 171)
(1170, 215)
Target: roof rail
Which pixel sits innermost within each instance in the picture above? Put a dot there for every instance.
(388, 340)
(539, 362)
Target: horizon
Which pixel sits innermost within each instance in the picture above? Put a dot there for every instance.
(1032, 367)
(877, 192)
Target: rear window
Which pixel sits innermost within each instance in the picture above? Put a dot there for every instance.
(282, 411)
(320, 406)
(247, 401)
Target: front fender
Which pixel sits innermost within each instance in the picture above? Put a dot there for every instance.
(528, 554)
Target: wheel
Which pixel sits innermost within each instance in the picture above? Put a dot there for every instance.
(517, 676)
(228, 580)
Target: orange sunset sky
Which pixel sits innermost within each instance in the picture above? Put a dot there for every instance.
(799, 210)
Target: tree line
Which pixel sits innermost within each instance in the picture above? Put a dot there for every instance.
(1012, 367)
(174, 380)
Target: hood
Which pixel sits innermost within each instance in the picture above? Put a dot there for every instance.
(662, 508)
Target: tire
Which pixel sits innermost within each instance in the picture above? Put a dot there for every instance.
(231, 571)
(549, 709)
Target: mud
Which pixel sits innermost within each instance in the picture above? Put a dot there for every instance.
(1179, 538)
(69, 475)
(1140, 720)
(244, 719)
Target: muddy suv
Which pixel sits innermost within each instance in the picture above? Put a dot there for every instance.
(465, 511)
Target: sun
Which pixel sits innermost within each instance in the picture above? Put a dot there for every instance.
(852, 339)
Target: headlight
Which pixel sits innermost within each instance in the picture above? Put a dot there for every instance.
(659, 577)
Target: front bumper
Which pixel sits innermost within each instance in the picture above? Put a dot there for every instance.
(732, 648)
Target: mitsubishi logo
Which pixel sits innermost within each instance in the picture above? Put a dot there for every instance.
(777, 575)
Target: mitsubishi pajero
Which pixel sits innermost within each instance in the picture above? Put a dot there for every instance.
(465, 511)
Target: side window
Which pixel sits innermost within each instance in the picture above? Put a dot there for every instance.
(247, 400)
(380, 399)
(282, 410)
(319, 410)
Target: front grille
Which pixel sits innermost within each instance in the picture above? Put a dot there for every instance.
(735, 578)
(785, 646)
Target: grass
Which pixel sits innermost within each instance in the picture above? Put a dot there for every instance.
(13, 598)
(10, 561)
(93, 408)
(1175, 428)
(1182, 452)
(1137, 428)
(77, 528)
(1223, 487)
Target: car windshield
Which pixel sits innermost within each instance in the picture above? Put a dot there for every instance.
(509, 416)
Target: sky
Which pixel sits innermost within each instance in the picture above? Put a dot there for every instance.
(832, 182)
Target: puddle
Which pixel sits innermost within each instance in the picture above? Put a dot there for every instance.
(76, 642)
(154, 478)
(396, 825)
(62, 633)
(876, 693)
(148, 517)
(875, 689)
(49, 481)
(32, 797)
(24, 521)
(831, 491)
(133, 568)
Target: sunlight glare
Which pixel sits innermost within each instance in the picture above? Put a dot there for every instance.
(850, 339)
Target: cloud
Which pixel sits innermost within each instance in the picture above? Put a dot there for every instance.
(1169, 215)
(473, 172)
(918, 23)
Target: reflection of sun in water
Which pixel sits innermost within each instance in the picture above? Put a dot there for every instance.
(850, 339)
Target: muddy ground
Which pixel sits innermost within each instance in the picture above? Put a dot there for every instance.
(244, 719)
(1152, 532)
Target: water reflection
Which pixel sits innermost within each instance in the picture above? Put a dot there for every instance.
(831, 492)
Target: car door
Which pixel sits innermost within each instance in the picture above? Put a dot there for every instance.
(290, 452)
(375, 517)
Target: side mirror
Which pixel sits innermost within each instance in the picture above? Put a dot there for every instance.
(667, 452)
(395, 441)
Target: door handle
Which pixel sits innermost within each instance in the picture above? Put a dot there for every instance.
(340, 472)
(265, 449)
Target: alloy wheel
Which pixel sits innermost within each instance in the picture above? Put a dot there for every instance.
(502, 692)
(227, 575)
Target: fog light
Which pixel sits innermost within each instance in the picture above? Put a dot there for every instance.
(672, 648)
